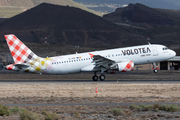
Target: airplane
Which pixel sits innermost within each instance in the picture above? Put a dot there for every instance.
(110, 61)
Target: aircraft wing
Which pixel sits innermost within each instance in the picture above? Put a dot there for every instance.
(101, 61)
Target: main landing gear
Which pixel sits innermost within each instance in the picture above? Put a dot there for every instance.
(95, 78)
(101, 77)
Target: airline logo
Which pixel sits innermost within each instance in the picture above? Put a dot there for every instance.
(136, 51)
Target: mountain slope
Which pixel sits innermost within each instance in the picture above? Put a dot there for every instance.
(139, 13)
(162, 26)
(13, 7)
(67, 25)
(22, 3)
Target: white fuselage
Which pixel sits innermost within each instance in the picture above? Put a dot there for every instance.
(143, 54)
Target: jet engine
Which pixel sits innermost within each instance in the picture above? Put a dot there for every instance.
(123, 66)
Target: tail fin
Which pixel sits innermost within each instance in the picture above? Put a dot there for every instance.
(20, 52)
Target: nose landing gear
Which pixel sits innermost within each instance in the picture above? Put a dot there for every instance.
(154, 66)
(155, 70)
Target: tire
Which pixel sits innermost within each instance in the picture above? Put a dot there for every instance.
(102, 77)
(95, 78)
(155, 70)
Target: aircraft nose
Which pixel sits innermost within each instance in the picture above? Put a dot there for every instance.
(173, 53)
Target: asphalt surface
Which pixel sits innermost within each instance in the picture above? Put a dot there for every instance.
(89, 81)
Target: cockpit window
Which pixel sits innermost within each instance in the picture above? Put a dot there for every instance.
(165, 48)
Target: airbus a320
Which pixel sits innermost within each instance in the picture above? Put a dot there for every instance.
(110, 61)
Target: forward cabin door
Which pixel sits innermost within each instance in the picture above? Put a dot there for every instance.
(155, 52)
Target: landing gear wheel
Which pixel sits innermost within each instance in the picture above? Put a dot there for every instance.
(155, 70)
(102, 77)
(95, 78)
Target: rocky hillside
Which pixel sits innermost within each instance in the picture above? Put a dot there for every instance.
(161, 25)
(138, 13)
(10, 8)
(67, 26)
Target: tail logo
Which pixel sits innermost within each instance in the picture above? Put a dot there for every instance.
(20, 52)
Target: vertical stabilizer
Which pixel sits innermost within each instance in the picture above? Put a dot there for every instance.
(20, 52)
(24, 58)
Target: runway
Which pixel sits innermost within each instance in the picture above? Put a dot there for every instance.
(90, 81)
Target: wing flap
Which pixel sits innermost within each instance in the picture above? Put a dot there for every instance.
(101, 61)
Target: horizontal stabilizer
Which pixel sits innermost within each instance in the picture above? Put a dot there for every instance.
(21, 66)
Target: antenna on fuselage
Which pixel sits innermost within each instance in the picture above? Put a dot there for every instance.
(76, 47)
(148, 40)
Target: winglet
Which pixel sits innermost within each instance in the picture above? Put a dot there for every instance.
(91, 55)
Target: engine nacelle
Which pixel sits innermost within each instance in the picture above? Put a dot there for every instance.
(123, 66)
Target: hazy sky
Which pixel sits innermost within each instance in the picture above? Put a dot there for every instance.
(166, 4)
